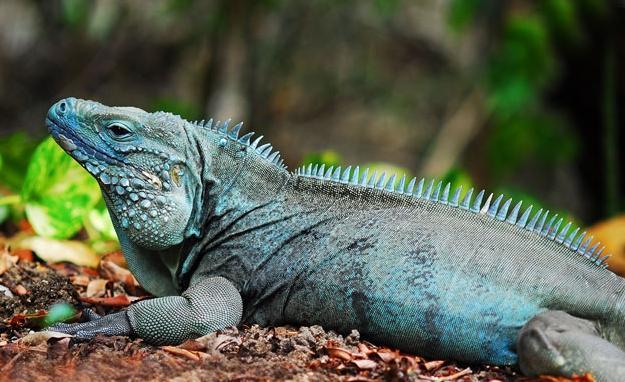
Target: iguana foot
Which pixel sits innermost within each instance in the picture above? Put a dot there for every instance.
(555, 342)
(116, 324)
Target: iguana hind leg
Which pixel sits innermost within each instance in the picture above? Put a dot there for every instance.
(558, 343)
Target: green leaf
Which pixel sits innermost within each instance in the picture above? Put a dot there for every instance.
(15, 149)
(458, 177)
(75, 12)
(187, 110)
(57, 192)
(327, 157)
(389, 169)
(59, 312)
(462, 12)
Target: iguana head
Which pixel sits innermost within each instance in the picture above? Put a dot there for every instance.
(141, 161)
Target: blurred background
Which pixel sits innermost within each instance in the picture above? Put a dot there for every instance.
(520, 97)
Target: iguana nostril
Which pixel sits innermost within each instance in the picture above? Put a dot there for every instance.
(62, 107)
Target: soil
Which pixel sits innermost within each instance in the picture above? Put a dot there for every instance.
(247, 354)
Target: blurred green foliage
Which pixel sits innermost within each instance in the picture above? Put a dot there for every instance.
(519, 72)
(176, 106)
(56, 195)
(327, 157)
(15, 150)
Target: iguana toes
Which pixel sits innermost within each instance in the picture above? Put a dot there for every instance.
(214, 224)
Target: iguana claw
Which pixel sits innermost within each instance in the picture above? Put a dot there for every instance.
(116, 324)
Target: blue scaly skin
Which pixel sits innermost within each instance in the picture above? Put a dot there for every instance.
(215, 225)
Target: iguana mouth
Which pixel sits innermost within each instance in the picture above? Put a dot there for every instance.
(92, 159)
(77, 147)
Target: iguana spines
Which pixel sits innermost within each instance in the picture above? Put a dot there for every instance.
(538, 224)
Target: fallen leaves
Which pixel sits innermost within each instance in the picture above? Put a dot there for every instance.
(56, 251)
(117, 302)
(6, 260)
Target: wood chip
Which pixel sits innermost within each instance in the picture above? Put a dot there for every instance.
(182, 352)
(336, 352)
(365, 364)
(433, 365)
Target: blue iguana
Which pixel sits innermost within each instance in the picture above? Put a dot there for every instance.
(214, 224)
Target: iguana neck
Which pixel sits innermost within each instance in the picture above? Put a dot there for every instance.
(235, 181)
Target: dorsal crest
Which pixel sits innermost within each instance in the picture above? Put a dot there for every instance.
(541, 222)
(266, 150)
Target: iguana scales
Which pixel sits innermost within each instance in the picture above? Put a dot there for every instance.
(214, 224)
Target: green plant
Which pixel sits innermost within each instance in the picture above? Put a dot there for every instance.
(57, 196)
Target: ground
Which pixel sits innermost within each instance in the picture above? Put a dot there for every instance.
(251, 353)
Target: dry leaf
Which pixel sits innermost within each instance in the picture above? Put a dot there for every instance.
(96, 288)
(387, 355)
(120, 301)
(114, 272)
(365, 364)
(194, 355)
(611, 233)
(433, 365)
(55, 251)
(6, 260)
(36, 338)
(336, 352)
(80, 280)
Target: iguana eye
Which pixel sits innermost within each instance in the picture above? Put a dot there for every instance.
(119, 131)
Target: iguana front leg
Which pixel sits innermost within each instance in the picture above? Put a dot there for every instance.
(556, 342)
(210, 304)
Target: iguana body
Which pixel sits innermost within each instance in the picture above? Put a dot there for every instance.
(214, 217)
